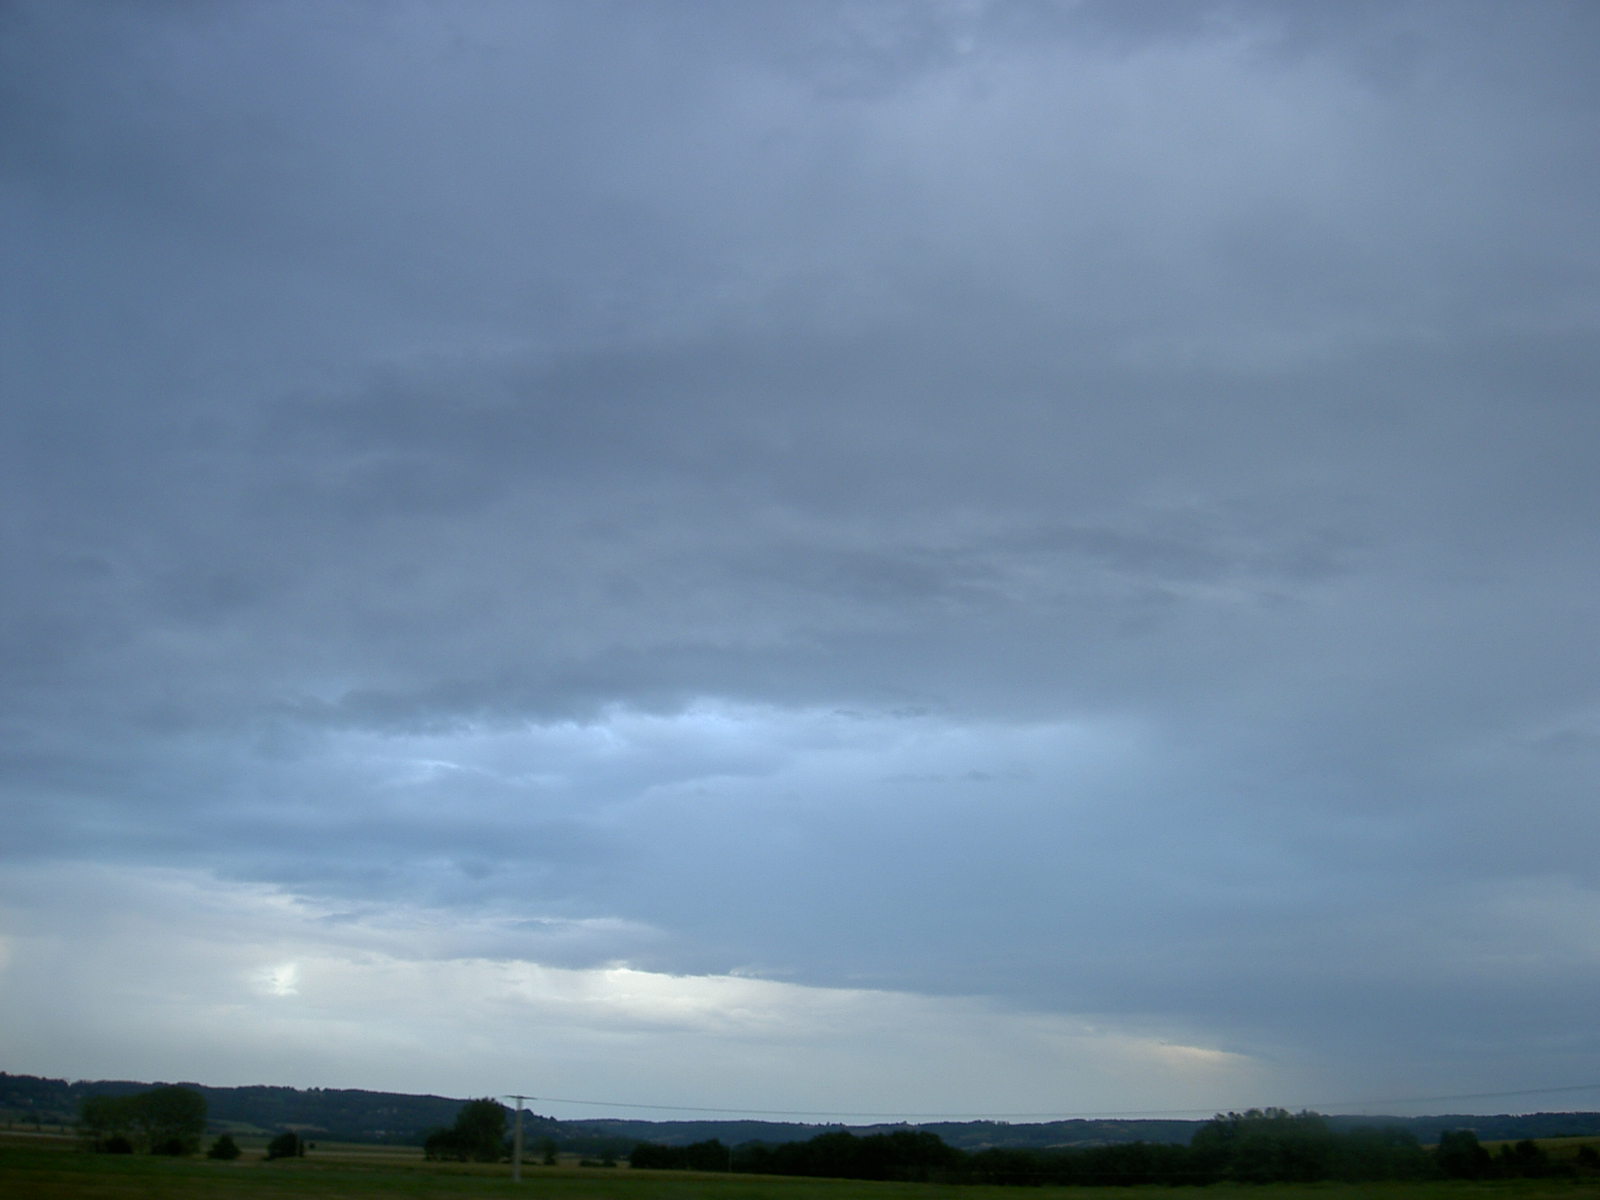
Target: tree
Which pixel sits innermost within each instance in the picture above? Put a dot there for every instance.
(224, 1148)
(1370, 1152)
(107, 1122)
(1525, 1160)
(163, 1120)
(1264, 1146)
(1459, 1156)
(288, 1144)
(652, 1156)
(171, 1119)
(479, 1134)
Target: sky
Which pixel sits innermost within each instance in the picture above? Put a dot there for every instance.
(850, 558)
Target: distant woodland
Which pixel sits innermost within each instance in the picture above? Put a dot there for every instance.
(354, 1115)
(1258, 1146)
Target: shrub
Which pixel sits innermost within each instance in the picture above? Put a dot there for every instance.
(286, 1145)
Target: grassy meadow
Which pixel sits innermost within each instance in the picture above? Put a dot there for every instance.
(46, 1168)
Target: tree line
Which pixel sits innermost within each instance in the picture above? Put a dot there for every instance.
(337, 1114)
(169, 1120)
(353, 1115)
(163, 1120)
(1258, 1146)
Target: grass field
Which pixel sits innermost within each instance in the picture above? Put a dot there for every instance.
(53, 1169)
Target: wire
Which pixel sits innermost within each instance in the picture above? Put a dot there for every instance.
(1045, 1116)
(1578, 1087)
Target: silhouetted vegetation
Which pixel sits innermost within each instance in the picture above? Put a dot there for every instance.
(1258, 1146)
(479, 1134)
(288, 1144)
(1265, 1144)
(162, 1120)
(1524, 1160)
(700, 1156)
(1459, 1156)
(335, 1114)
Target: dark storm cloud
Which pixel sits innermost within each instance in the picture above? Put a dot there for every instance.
(1087, 505)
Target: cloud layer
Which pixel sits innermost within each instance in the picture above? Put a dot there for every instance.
(1071, 520)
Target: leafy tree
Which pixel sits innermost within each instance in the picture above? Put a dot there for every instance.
(479, 1134)
(171, 1119)
(444, 1145)
(1122, 1165)
(1525, 1160)
(224, 1148)
(1459, 1156)
(1008, 1165)
(914, 1155)
(650, 1156)
(1368, 1153)
(483, 1123)
(709, 1155)
(1265, 1146)
(105, 1120)
(163, 1120)
(288, 1144)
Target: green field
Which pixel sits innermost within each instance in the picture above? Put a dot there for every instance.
(54, 1169)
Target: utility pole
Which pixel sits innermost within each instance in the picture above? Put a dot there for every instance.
(516, 1142)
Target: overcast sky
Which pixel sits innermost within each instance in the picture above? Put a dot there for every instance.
(972, 557)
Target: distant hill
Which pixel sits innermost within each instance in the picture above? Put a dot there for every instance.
(965, 1135)
(338, 1114)
(355, 1115)
(1502, 1127)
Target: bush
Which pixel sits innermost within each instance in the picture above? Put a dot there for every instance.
(286, 1145)
(224, 1148)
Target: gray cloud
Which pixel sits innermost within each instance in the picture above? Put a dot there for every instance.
(1080, 505)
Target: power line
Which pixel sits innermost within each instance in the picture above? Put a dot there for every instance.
(1577, 1087)
(1053, 1115)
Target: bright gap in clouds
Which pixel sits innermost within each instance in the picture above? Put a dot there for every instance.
(230, 984)
(282, 980)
